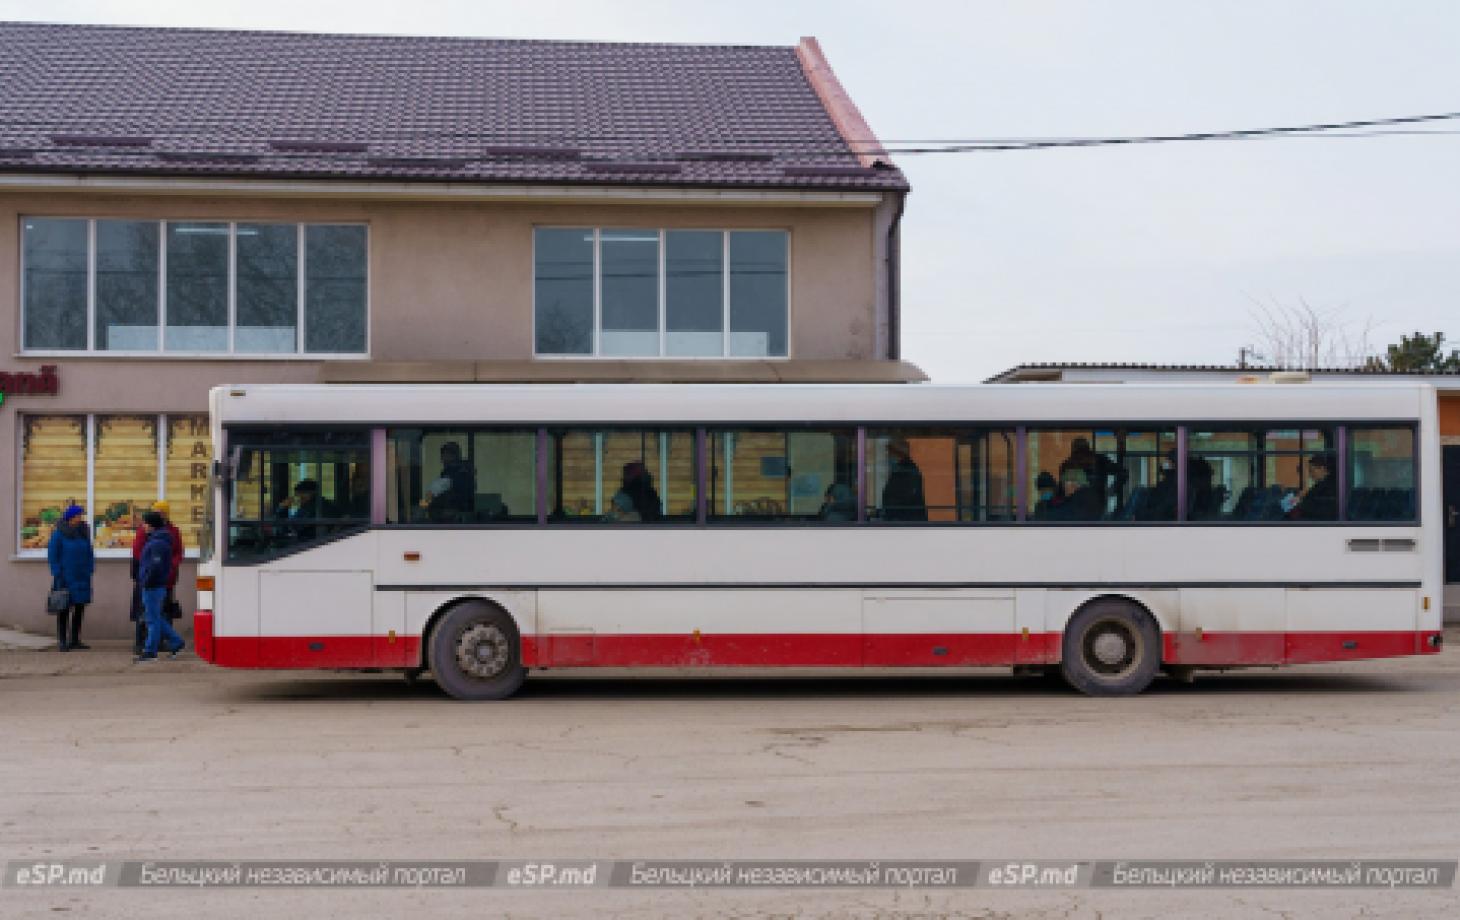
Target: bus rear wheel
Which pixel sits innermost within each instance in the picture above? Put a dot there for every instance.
(1111, 648)
(476, 653)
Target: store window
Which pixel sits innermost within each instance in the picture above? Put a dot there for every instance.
(53, 474)
(194, 287)
(115, 467)
(661, 293)
(127, 302)
(53, 278)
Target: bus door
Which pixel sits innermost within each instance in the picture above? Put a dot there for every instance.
(318, 619)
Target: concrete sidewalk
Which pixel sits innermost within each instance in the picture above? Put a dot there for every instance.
(24, 654)
(19, 640)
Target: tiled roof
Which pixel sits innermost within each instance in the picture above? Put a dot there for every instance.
(147, 101)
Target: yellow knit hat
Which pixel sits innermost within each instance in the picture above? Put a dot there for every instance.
(161, 507)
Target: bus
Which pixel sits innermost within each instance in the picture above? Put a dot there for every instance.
(1107, 534)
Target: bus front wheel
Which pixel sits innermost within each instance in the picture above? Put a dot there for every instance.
(1111, 648)
(476, 653)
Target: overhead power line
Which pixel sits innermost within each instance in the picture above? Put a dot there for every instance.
(783, 145)
(1325, 129)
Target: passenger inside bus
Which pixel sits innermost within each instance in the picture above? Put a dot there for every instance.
(1203, 497)
(1046, 507)
(1160, 500)
(1320, 502)
(1079, 498)
(902, 495)
(451, 495)
(1099, 474)
(303, 505)
(636, 499)
(838, 504)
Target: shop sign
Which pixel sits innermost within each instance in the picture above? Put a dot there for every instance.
(29, 383)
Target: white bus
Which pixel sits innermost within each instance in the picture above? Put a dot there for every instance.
(1107, 532)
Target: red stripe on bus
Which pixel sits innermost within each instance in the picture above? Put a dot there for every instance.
(835, 650)
(317, 651)
(1250, 648)
(203, 634)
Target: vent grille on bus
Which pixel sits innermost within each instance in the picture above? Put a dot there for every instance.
(1373, 545)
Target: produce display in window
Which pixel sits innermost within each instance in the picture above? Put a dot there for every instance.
(130, 470)
(53, 456)
(124, 477)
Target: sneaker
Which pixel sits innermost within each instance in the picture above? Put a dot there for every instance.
(80, 647)
(144, 659)
(177, 651)
(63, 647)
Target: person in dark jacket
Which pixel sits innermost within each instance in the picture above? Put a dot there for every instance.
(153, 574)
(72, 564)
(637, 499)
(139, 619)
(902, 495)
(1320, 502)
(1048, 497)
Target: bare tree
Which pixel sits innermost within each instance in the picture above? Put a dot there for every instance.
(1300, 336)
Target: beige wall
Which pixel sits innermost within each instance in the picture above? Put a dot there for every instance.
(448, 282)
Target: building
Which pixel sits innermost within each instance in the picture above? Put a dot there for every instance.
(1447, 394)
(182, 208)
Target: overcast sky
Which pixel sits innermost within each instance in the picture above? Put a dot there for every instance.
(1125, 254)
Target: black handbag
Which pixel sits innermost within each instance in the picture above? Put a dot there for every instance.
(173, 610)
(59, 600)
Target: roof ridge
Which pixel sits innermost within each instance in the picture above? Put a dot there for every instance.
(309, 33)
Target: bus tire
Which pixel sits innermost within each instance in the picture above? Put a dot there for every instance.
(1111, 647)
(476, 653)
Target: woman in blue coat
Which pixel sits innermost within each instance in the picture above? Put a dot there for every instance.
(72, 563)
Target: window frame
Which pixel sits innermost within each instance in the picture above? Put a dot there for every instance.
(163, 435)
(1022, 487)
(596, 336)
(299, 354)
(235, 438)
(1339, 453)
(470, 429)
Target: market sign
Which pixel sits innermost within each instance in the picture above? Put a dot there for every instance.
(28, 383)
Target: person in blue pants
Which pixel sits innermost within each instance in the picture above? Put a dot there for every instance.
(153, 573)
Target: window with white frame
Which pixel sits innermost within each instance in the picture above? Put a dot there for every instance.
(114, 467)
(661, 293)
(193, 287)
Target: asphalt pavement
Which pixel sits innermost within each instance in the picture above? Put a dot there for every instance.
(179, 760)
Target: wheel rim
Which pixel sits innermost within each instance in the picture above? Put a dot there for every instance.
(1111, 649)
(482, 651)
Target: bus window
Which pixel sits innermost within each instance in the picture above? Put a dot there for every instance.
(1102, 475)
(621, 476)
(799, 475)
(1262, 474)
(291, 489)
(460, 476)
(940, 475)
(1381, 474)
